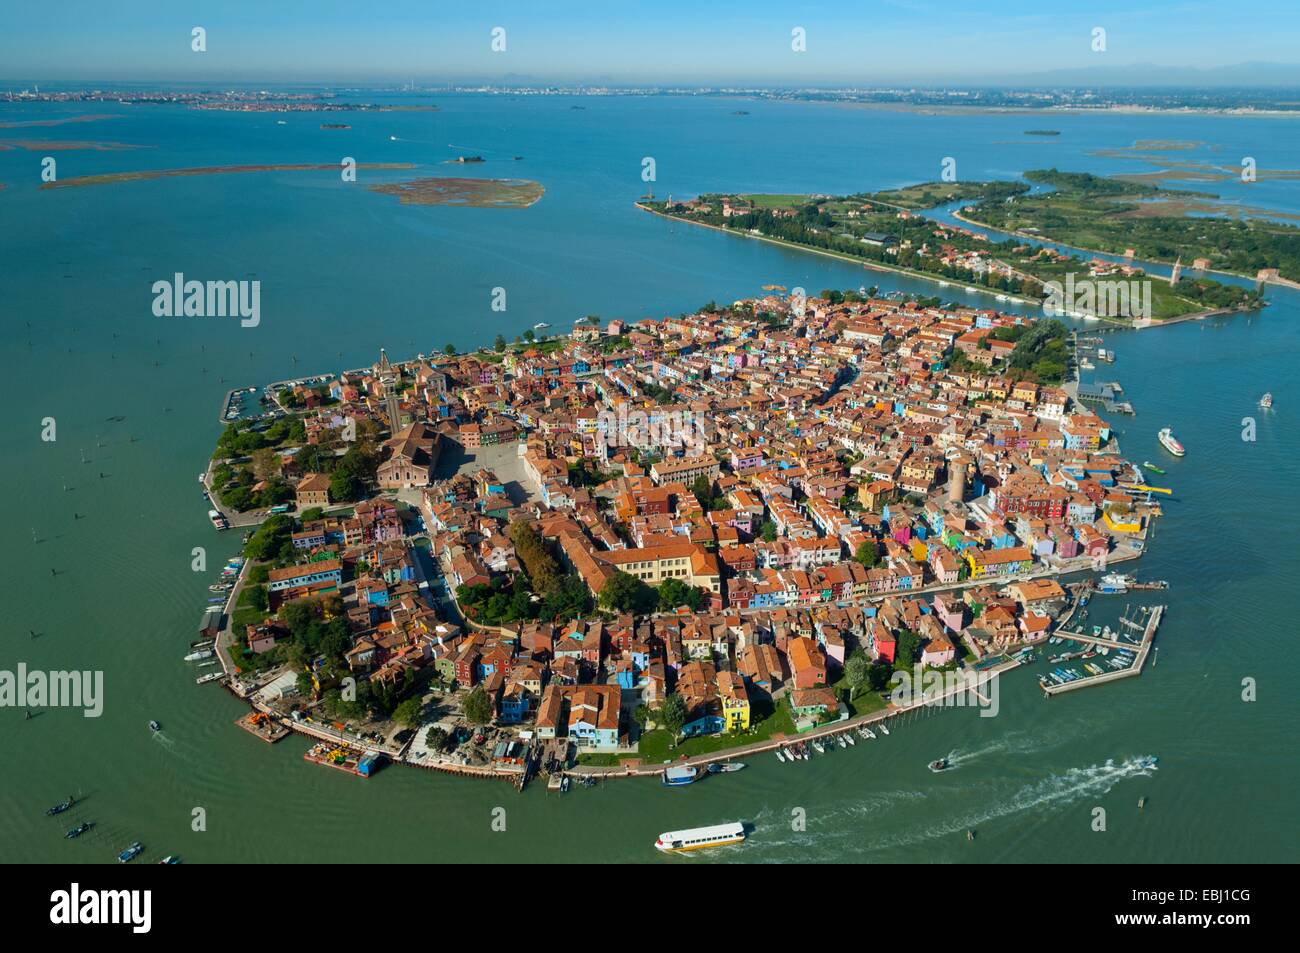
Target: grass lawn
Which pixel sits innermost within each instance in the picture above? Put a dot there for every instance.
(599, 760)
(655, 746)
(776, 201)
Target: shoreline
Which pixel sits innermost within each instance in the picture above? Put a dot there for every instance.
(861, 262)
(1283, 282)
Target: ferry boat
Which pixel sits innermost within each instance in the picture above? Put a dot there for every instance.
(1167, 441)
(699, 838)
(131, 853)
(680, 775)
(940, 764)
(1266, 401)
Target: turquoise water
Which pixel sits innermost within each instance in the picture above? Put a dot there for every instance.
(345, 271)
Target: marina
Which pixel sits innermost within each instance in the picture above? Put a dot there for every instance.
(1067, 680)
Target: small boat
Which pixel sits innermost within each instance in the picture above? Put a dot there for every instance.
(779, 756)
(698, 838)
(817, 746)
(868, 733)
(199, 656)
(154, 726)
(843, 743)
(1167, 440)
(941, 764)
(564, 784)
(850, 739)
(221, 587)
(79, 829)
(884, 728)
(726, 767)
(171, 859)
(210, 677)
(60, 808)
(131, 853)
(1153, 468)
(1266, 401)
(540, 325)
(681, 775)
(202, 477)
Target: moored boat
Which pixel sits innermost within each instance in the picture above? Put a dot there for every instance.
(884, 728)
(1153, 468)
(199, 655)
(726, 767)
(699, 838)
(681, 775)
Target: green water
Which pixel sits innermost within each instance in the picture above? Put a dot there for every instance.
(345, 272)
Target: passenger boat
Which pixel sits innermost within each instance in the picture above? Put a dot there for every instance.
(726, 767)
(79, 829)
(1266, 401)
(131, 853)
(699, 838)
(1166, 437)
(941, 764)
(680, 775)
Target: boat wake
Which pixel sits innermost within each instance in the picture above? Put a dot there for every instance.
(1056, 790)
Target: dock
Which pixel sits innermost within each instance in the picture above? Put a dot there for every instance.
(261, 725)
(1143, 650)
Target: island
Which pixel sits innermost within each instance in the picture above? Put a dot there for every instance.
(734, 531)
(476, 193)
(887, 230)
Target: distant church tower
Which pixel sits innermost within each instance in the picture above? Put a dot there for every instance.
(1178, 270)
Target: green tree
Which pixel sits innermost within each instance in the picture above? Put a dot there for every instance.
(625, 593)
(409, 713)
(673, 714)
(477, 707)
(856, 672)
(867, 554)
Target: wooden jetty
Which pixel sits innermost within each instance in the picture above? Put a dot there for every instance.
(1143, 649)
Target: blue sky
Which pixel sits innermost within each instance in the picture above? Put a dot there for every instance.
(869, 42)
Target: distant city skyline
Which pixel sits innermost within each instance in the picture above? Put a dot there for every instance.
(654, 42)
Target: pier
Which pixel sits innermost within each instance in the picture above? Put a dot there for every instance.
(1143, 650)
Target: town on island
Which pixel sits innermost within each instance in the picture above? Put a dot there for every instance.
(650, 548)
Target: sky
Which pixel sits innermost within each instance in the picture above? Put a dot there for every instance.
(655, 42)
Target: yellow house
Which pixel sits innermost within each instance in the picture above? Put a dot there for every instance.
(998, 562)
(1123, 522)
(735, 701)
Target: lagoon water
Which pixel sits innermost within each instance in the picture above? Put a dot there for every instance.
(345, 271)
